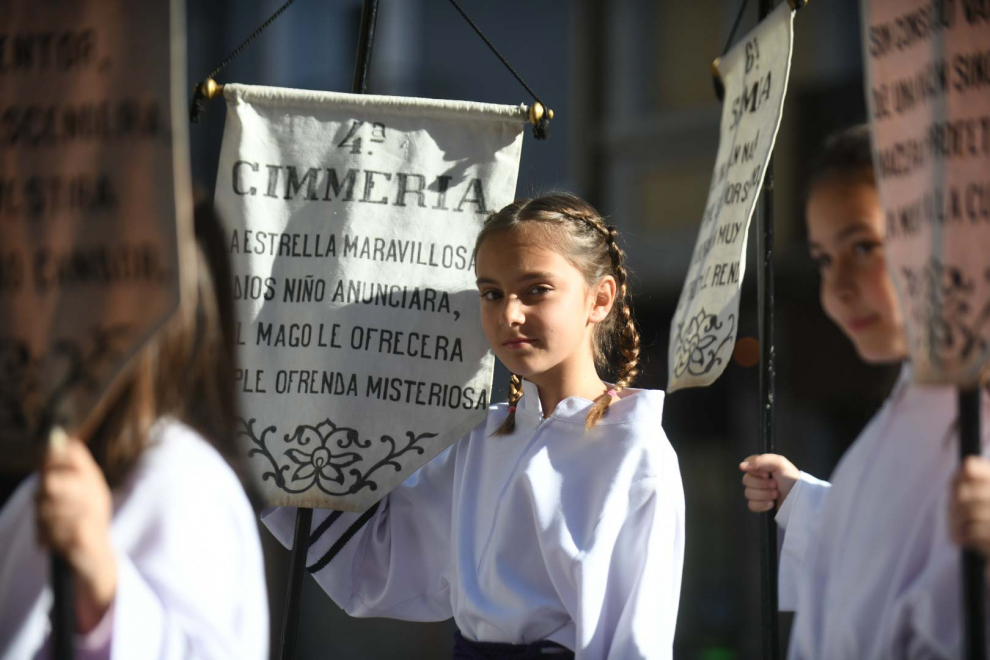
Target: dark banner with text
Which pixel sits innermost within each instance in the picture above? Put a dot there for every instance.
(94, 203)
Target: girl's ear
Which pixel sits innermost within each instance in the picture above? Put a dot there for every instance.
(604, 297)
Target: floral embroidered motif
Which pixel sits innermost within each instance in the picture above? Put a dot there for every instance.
(699, 341)
(318, 461)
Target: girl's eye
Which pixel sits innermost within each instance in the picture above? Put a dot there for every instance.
(540, 289)
(865, 248)
(821, 261)
(491, 294)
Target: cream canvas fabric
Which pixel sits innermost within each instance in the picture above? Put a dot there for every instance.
(928, 90)
(351, 221)
(704, 329)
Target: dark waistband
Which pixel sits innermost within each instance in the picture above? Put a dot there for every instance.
(465, 649)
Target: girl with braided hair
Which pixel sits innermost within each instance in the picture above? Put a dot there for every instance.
(557, 525)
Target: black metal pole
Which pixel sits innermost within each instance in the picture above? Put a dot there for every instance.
(63, 609)
(366, 42)
(297, 569)
(765, 304)
(304, 517)
(973, 564)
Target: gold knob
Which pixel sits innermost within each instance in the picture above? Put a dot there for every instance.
(536, 113)
(210, 88)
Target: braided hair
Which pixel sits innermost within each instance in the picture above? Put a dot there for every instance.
(574, 229)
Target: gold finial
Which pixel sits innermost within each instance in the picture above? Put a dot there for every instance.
(57, 439)
(211, 89)
(715, 71)
(536, 113)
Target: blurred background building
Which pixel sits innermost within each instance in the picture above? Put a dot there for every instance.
(636, 131)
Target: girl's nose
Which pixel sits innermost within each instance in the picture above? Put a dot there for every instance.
(512, 312)
(842, 284)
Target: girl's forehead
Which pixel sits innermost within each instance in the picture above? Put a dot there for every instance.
(508, 253)
(835, 209)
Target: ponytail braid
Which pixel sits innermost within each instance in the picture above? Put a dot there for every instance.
(623, 326)
(508, 425)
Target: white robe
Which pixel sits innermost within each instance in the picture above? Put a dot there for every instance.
(868, 563)
(190, 581)
(548, 533)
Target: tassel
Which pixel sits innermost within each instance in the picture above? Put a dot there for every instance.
(204, 91)
(540, 118)
(717, 81)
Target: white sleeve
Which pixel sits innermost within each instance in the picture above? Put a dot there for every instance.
(626, 584)
(928, 614)
(798, 518)
(193, 587)
(396, 565)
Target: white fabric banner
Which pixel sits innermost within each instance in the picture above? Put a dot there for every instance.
(351, 222)
(928, 90)
(706, 321)
(94, 195)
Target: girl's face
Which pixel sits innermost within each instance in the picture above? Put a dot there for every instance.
(537, 310)
(845, 230)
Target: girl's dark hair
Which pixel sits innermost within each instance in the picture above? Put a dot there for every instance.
(573, 228)
(845, 157)
(186, 371)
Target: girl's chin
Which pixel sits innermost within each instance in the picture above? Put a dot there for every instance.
(520, 367)
(880, 353)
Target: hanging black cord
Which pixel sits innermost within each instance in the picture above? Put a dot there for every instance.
(199, 92)
(716, 76)
(541, 125)
(735, 26)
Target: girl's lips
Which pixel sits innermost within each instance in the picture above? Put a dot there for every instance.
(862, 323)
(517, 343)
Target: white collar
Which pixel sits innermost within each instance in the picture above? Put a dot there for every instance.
(633, 404)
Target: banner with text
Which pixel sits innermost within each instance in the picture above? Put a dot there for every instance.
(706, 321)
(351, 224)
(94, 195)
(928, 90)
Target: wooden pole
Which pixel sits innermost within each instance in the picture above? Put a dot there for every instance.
(304, 517)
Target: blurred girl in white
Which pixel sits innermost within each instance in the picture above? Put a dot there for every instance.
(161, 539)
(868, 563)
(556, 526)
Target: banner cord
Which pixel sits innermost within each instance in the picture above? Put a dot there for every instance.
(540, 114)
(200, 96)
(716, 74)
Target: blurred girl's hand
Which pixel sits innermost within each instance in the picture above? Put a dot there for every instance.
(768, 480)
(74, 509)
(969, 505)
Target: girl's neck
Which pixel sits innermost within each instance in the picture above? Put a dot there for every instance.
(561, 382)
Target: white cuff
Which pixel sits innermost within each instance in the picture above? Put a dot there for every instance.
(799, 517)
(798, 492)
(95, 645)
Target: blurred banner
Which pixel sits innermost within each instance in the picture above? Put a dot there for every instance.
(94, 203)
(928, 89)
(705, 324)
(351, 222)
